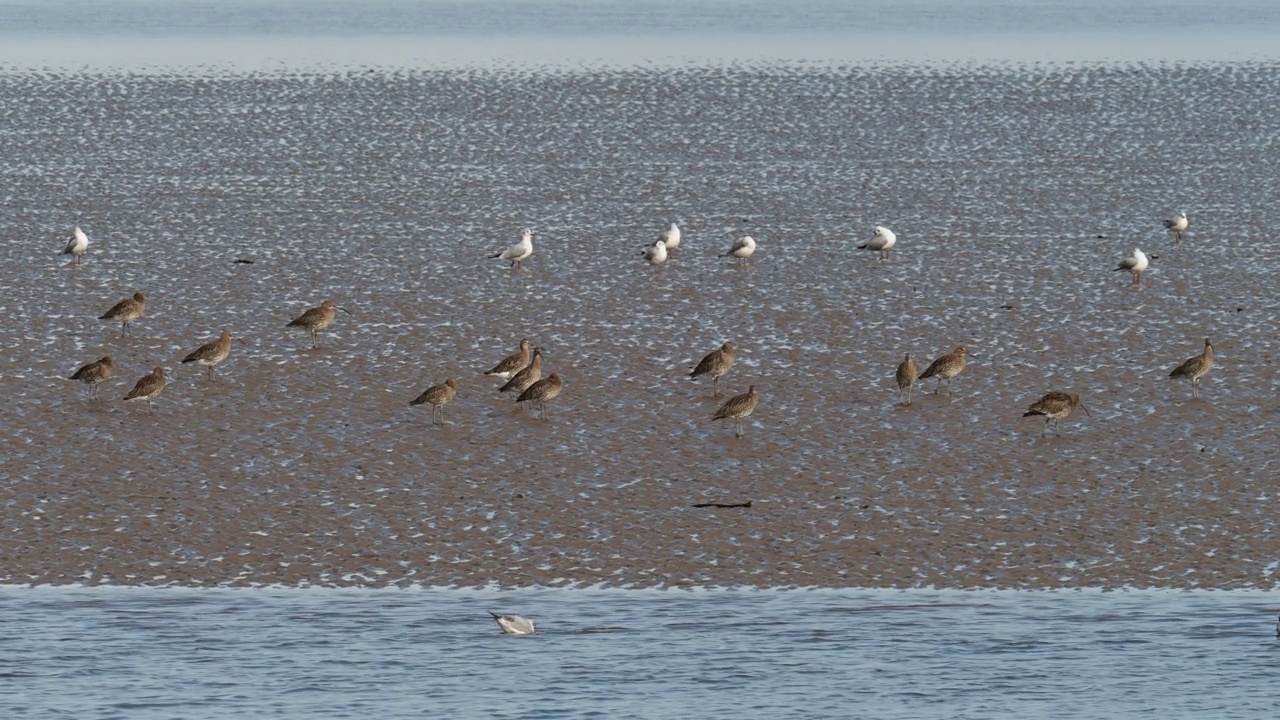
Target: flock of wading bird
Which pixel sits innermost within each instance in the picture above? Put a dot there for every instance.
(523, 370)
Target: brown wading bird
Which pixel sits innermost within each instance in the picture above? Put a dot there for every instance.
(717, 364)
(1054, 406)
(148, 388)
(542, 391)
(211, 354)
(94, 373)
(511, 364)
(906, 377)
(527, 376)
(738, 407)
(1196, 368)
(947, 367)
(317, 319)
(126, 311)
(437, 396)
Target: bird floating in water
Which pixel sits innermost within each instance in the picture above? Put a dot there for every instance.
(513, 624)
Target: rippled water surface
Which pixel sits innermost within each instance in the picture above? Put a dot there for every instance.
(888, 654)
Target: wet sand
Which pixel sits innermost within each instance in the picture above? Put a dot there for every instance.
(1014, 191)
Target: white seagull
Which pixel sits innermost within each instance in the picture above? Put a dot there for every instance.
(742, 249)
(884, 242)
(671, 237)
(513, 624)
(1135, 264)
(1176, 225)
(78, 245)
(656, 254)
(520, 251)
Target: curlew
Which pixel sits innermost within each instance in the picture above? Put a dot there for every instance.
(742, 249)
(148, 388)
(511, 364)
(655, 254)
(1053, 407)
(738, 407)
(437, 396)
(77, 246)
(883, 242)
(716, 364)
(947, 367)
(1135, 264)
(545, 389)
(513, 624)
(519, 252)
(1176, 225)
(126, 311)
(527, 376)
(95, 373)
(211, 354)
(1196, 368)
(906, 377)
(317, 319)
(671, 237)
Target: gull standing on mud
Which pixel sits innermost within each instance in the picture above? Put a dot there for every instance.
(1196, 368)
(519, 252)
(317, 319)
(511, 364)
(738, 407)
(126, 311)
(77, 246)
(210, 354)
(742, 249)
(906, 378)
(1176, 225)
(1135, 264)
(513, 624)
(656, 254)
(94, 373)
(671, 237)
(947, 367)
(437, 396)
(1053, 407)
(717, 364)
(883, 242)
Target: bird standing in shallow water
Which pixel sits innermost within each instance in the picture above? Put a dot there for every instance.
(513, 624)
(655, 254)
(527, 376)
(541, 392)
(1053, 407)
(1135, 264)
(519, 252)
(1196, 368)
(511, 364)
(148, 388)
(437, 396)
(946, 367)
(671, 237)
(77, 246)
(211, 354)
(317, 319)
(94, 373)
(883, 242)
(1176, 225)
(742, 249)
(906, 377)
(717, 364)
(126, 311)
(738, 407)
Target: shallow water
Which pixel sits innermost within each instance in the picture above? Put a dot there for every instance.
(141, 653)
